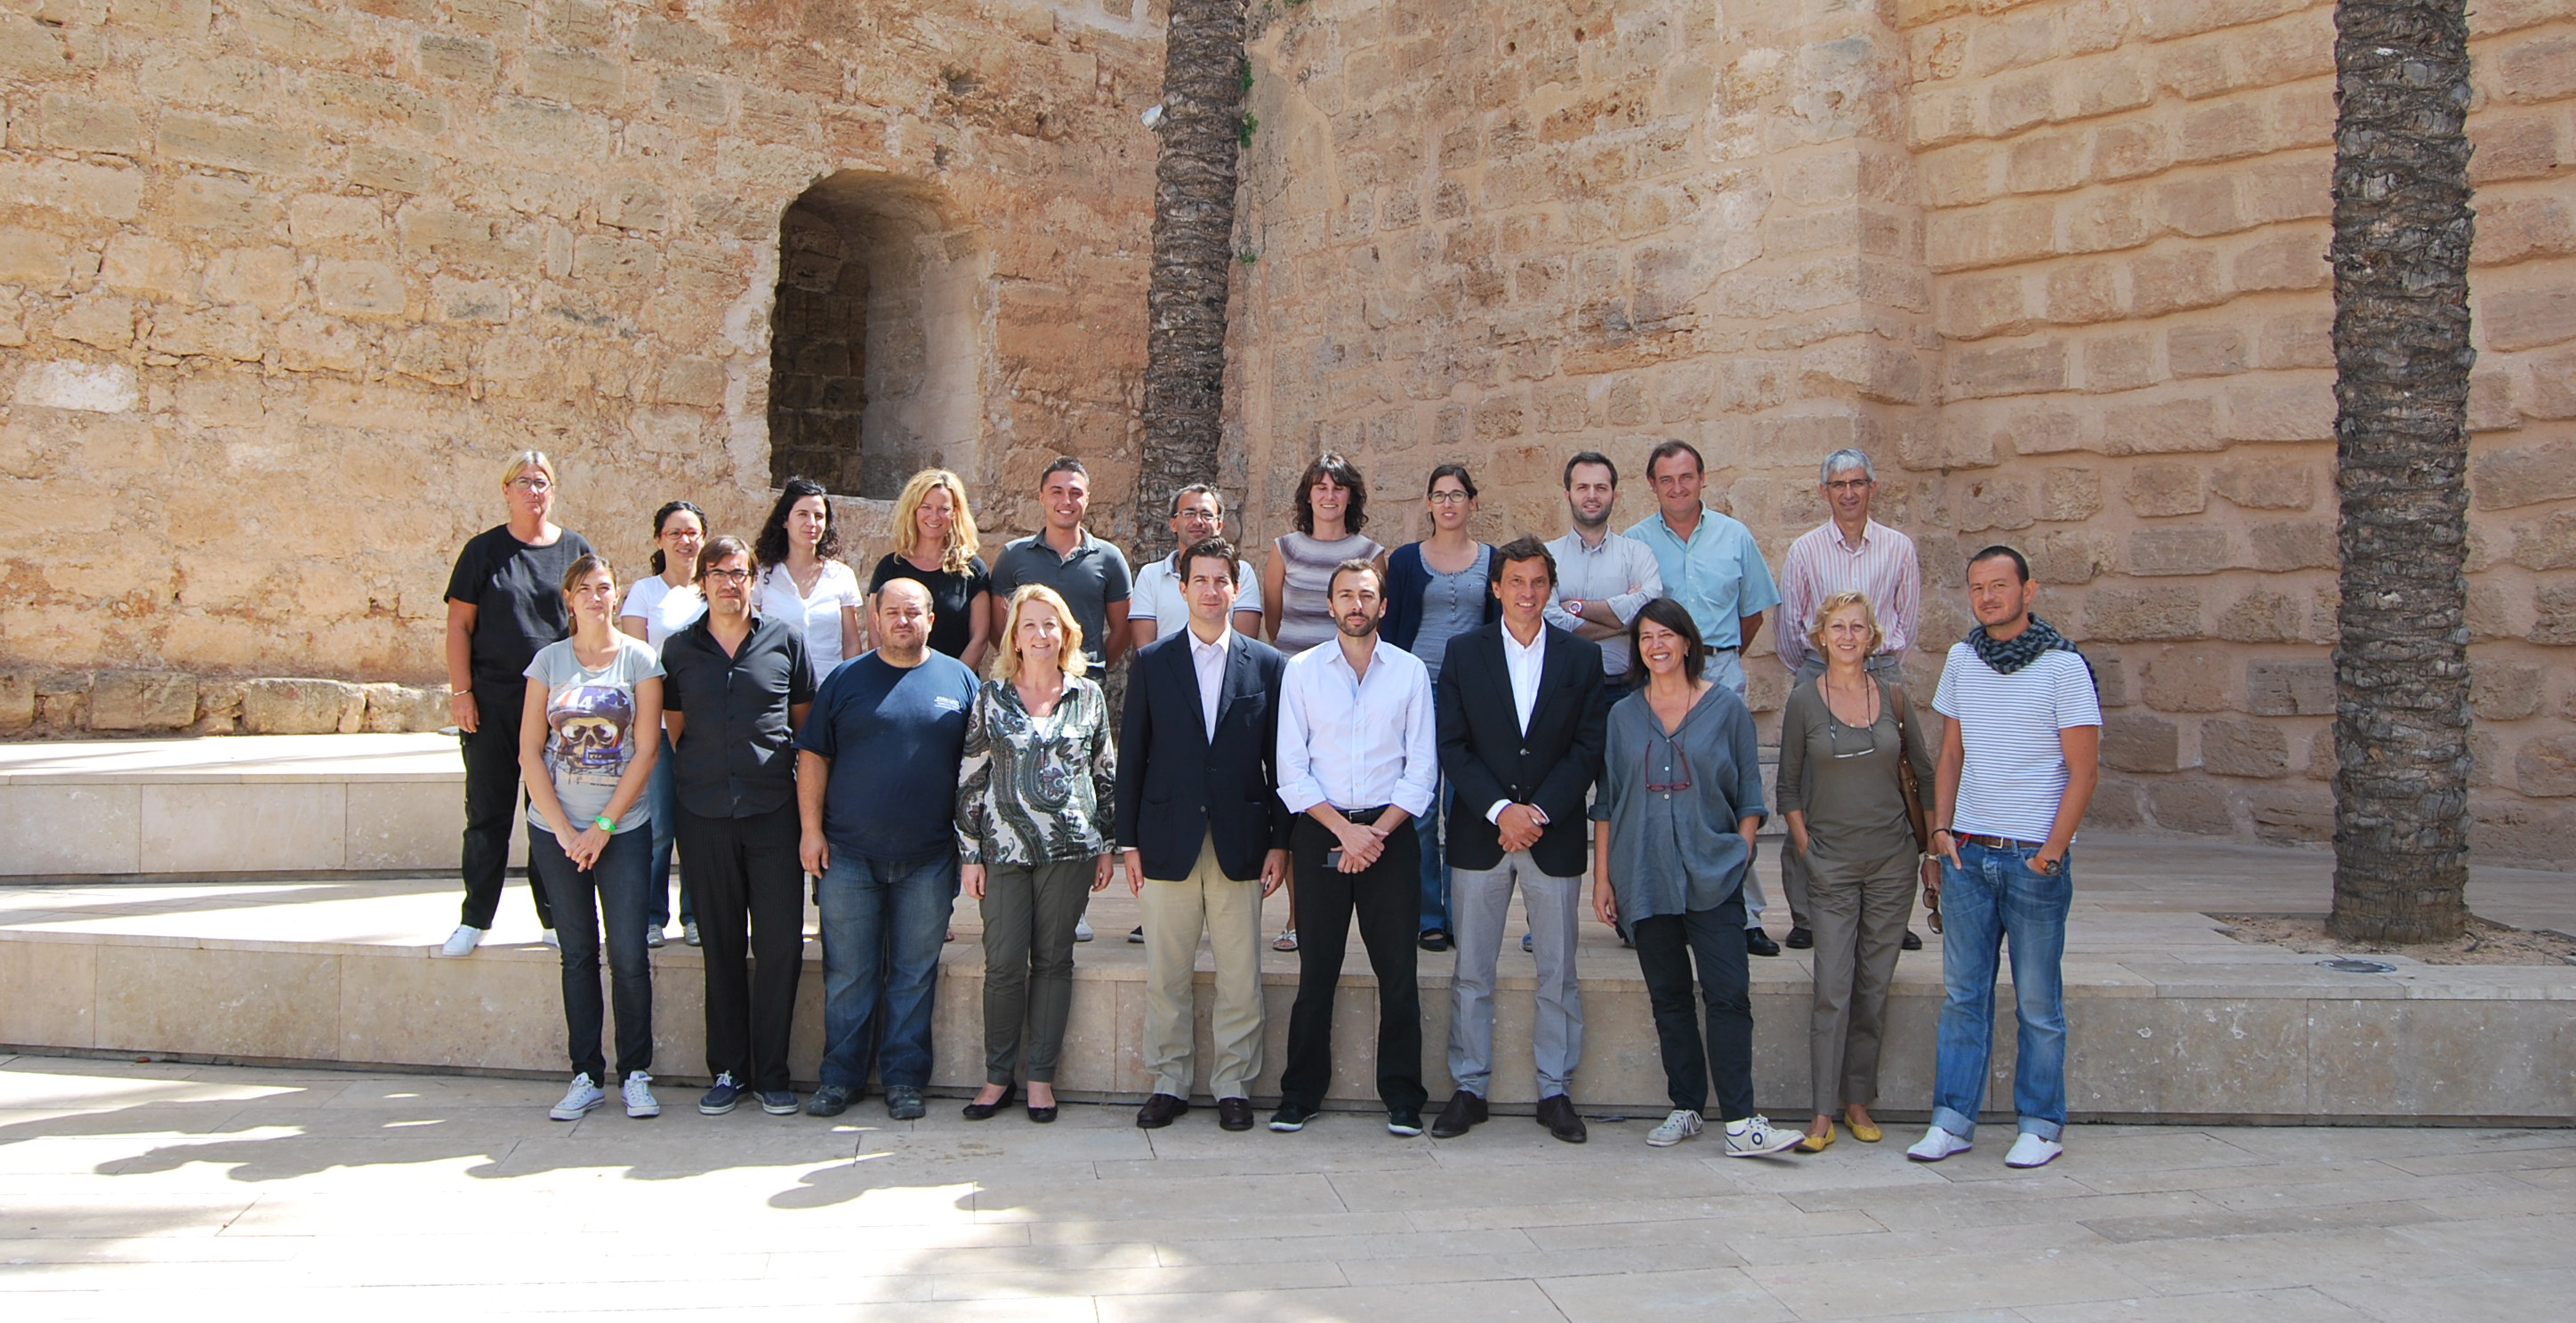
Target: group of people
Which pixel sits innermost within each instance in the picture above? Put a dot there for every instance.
(1403, 737)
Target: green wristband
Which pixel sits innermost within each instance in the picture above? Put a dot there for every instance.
(604, 823)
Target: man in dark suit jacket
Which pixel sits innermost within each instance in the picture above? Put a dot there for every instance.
(1522, 722)
(1200, 819)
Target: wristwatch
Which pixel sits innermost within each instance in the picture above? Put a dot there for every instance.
(604, 822)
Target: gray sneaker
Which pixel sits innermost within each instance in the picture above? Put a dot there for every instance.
(1682, 1124)
(903, 1102)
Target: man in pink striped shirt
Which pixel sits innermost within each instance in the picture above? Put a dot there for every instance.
(1848, 552)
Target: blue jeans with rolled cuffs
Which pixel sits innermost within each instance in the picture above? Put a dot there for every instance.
(883, 922)
(1994, 898)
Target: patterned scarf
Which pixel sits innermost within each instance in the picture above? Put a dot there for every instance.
(2012, 654)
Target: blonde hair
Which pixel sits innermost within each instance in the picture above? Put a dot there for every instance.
(1006, 658)
(526, 460)
(1835, 602)
(962, 540)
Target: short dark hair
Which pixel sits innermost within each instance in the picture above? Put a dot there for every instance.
(1355, 566)
(1667, 449)
(1458, 471)
(1207, 546)
(771, 549)
(723, 546)
(1064, 464)
(1194, 489)
(663, 516)
(2021, 563)
(1523, 547)
(1584, 457)
(1676, 617)
(1345, 475)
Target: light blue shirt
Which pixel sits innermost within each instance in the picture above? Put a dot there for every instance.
(1357, 741)
(1716, 574)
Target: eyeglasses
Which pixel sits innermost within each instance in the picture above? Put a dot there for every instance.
(738, 576)
(1448, 498)
(1667, 787)
(1834, 739)
(531, 484)
(1851, 484)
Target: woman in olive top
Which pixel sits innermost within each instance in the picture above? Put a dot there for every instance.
(1841, 738)
(934, 544)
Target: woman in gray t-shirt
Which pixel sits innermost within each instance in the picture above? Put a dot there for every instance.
(588, 737)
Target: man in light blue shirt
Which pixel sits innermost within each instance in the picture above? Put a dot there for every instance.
(1712, 566)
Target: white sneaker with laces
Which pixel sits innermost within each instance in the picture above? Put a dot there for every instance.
(462, 941)
(2032, 1151)
(1937, 1144)
(1082, 930)
(1753, 1137)
(1682, 1124)
(579, 1099)
(639, 1095)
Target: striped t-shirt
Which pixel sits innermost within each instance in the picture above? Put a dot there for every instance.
(2016, 771)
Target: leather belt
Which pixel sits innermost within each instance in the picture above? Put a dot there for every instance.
(1364, 817)
(1997, 842)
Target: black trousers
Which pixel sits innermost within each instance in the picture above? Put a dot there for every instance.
(609, 893)
(740, 870)
(492, 806)
(1667, 946)
(1387, 899)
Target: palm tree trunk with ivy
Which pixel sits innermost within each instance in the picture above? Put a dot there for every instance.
(1194, 179)
(2401, 340)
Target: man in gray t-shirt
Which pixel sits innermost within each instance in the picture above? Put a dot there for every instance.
(1091, 575)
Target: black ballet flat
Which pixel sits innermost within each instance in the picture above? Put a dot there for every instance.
(976, 1111)
(1041, 1115)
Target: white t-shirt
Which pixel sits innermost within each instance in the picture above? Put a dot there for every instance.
(666, 610)
(2015, 774)
(590, 728)
(817, 616)
(1159, 595)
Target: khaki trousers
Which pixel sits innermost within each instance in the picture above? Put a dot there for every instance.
(1859, 908)
(1174, 914)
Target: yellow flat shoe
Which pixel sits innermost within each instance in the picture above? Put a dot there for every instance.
(1867, 1134)
(1815, 1143)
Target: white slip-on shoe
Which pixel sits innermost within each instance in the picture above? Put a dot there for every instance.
(579, 1099)
(1682, 1124)
(2032, 1151)
(638, 1088)
(1082, 930)
(462, 941)
(1937, 1144)
(1753, 1137)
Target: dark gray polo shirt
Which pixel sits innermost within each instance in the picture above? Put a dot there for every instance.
(737, 756)
(1088, 580)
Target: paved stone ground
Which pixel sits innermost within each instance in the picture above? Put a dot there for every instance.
(138, 1190)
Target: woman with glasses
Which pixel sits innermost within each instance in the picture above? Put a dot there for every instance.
(1672, 842)
(1842, 739)
(1436, 590)
(657, 606)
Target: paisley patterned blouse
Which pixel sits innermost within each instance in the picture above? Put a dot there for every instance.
(1036, 790)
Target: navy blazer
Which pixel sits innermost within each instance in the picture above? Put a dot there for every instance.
(1177, 789)
(1487, 758)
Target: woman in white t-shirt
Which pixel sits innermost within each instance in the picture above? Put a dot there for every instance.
(658, 606)
(803, 583)
(590, 699)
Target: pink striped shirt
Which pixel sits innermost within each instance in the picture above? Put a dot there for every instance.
(1821, 564)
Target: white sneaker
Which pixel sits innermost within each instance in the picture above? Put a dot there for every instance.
(462, 941)
(639, 1095)
(579, 1099)
(1753, 1137)
(1082, 930)
(2032, 1151)
(551, 940)
(1682, 1124)
(1937, 1144)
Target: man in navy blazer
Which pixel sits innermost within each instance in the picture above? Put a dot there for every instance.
(1523, 719)
(1199, 816)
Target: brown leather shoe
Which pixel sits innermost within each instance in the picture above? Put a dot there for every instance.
(1234, 1113)
(1161, 1110)
(1464, 1110)
(1557, 1114)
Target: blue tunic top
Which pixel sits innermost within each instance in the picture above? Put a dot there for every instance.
(1673, 804)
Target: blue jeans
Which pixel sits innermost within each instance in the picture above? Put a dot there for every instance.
(1995, 895)
(1435, 861)
(663, 794)
(883, 923)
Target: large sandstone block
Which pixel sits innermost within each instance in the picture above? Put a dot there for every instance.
(2135, 742)
(2546, 768)
(2142, 614)
(2188, 680)
(142, 700)
(2193, 806)
(2290, 688)
(17, 699)
(302, 707)
(2243, 748)
(394, 708)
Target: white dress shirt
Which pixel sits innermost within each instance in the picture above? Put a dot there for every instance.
(1524, 664)
(1357, 741)
(1620, 571)
(1208, 659)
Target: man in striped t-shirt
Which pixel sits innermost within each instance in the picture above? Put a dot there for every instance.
(2019, 760)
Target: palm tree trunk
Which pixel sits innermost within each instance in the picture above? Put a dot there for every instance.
(2402, 356)
(1193, 257)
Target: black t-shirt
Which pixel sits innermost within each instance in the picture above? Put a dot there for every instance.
(951, 595)
(516, 591)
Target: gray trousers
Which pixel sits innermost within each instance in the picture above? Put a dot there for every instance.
(1793, 866)
(1477, 902)
(1029, 915)
(1861, 909)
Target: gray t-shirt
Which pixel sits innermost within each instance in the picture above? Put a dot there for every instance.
(590, 728)
(1088, 580)
(1452, 604)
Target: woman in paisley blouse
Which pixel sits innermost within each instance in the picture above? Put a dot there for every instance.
(1033, 801)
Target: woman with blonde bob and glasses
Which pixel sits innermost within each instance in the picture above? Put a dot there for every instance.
(1034, 838)
(934, 545)
(1843, 738)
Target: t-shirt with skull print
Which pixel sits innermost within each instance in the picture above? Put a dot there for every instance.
(590, 728)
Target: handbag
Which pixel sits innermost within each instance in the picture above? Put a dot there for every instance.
(1914, 816)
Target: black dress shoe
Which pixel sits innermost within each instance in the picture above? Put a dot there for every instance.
(1912, 942)
(1041, 1115)
(1234, 1113)
(1161, 1110)
(1557, 1114)
(976, 1111)
(1464, 1110)
(1759, 943)
(1799, 939)
(1435, 939)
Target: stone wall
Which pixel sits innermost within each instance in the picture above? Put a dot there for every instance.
(282, 285)
(2060, 266)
